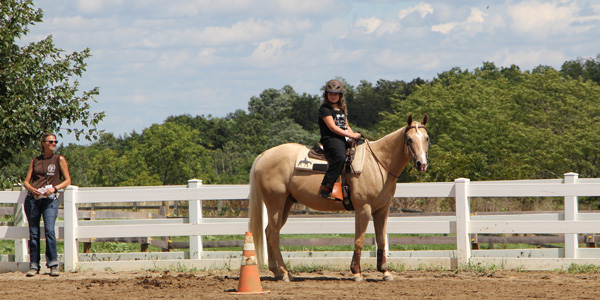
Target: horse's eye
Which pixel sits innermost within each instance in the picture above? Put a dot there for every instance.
(409, 141)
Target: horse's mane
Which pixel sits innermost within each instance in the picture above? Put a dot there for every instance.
(389, 134)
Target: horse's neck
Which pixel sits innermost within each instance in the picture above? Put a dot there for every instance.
(391, 151)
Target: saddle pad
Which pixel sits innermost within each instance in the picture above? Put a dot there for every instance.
(305, 163)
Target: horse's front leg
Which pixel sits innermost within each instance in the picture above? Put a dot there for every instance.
(362, 217)
(380, 222)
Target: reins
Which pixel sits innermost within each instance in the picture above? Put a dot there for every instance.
(377, 159)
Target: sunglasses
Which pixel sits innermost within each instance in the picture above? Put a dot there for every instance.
(52, 142)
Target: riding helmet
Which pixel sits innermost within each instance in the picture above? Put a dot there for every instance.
(334, 86)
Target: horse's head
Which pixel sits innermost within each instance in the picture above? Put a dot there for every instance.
(417, 141)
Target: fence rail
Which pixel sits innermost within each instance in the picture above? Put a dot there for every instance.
(462, 225)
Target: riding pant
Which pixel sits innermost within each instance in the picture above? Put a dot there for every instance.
(335, 151)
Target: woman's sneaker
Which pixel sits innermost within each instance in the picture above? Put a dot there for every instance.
(32, 272)
(54, 271)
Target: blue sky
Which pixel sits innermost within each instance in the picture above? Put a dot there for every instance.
(152, 59)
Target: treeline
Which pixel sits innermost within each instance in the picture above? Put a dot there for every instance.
(486, 124)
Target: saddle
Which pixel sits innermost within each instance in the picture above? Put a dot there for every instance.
(341, 190)
(317, 151)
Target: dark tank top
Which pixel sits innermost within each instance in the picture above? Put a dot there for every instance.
(46, 171)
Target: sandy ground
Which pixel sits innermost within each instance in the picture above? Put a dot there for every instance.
(317, 285)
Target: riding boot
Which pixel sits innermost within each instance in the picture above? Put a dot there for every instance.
(325, 192)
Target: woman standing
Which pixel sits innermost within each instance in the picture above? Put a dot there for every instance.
(42, 182)
(335, 131)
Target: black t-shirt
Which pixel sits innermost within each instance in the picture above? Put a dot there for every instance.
(339, 117)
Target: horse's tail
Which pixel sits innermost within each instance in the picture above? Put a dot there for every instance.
(255, 213)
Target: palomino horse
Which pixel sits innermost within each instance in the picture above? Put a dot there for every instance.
(275, 182)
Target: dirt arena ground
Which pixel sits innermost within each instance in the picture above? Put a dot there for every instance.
(318, 285)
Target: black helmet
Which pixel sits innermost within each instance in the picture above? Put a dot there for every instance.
(334, 86)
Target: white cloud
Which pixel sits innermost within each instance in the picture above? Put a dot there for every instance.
(444, 28)
(422, 8)
(393, 59)
(542, 19)
(473, 24)
(139, 99)
(370, 24)
(529, 58)
(296, 7)
(269, 52)
(244, 31)
(96, 6)
(174, 59)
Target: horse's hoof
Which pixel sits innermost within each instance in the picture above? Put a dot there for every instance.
(387, 276)
(287, 278)
(357, 277)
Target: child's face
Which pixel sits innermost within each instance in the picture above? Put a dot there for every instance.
(333, 97)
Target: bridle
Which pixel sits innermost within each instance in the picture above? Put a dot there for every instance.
(414, 156)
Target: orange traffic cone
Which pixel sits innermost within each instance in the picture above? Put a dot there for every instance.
(249, 276)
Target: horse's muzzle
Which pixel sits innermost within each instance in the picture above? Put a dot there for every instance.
(422, 167)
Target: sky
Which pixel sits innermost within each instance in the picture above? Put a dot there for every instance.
(152, 59)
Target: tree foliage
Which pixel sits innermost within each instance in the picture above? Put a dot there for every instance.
(506, 124)
(486, 124)
(38, 86)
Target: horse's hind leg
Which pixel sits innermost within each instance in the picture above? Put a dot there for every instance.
(276, 222)
(379, 222)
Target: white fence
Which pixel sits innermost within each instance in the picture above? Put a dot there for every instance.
(570, 223)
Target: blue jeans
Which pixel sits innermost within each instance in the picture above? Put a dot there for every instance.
(34, 210)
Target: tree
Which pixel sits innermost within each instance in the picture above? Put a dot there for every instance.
(493, 124)
(273, 104)
(173, 152)
(305, 109)
(587, 69)
(38, 86)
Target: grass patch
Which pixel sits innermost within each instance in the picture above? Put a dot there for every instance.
(587, 268)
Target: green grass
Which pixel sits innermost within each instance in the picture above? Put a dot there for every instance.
(7, 246)
(578, 269)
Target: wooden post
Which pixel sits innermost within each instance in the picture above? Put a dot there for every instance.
(195, 217)
(590, 240)
(571, 211)
(164, 212)
(474, 241)
(71, 255)
(21, 248)
(87, 246)
(463, 216)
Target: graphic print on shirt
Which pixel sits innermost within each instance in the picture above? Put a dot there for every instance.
(51, 170)
(340, 119)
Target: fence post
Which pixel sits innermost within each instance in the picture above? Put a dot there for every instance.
(71, 255)
(571, 211)
(195, 217)
(463, 216)
(21, 248)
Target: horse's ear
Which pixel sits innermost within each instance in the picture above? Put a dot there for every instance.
(425, 117)
(409, 120)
